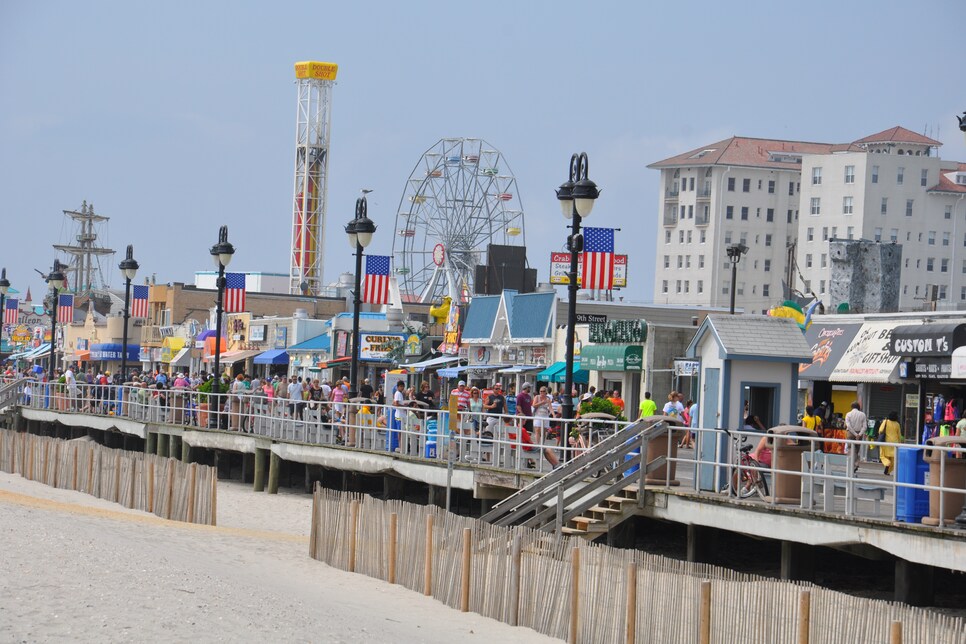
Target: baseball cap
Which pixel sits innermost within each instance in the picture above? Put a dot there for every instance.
(461, 383)
(526, 385)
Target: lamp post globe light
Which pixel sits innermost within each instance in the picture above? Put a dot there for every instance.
(359, 232)
(56, 280)
(4, 287)
(735, 251)
(221, 254)
(577, 196)
(129, 269)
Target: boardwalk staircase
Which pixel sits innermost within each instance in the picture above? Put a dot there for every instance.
(594, 492)
(9, 393)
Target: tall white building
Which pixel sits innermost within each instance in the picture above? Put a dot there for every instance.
(740, 190)
(786, 199)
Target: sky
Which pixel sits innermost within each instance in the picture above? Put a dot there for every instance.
(175, 118)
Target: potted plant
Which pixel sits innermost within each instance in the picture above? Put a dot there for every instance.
(204, 389)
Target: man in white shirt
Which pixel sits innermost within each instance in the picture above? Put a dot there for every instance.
(399, 401)
(856, 424)
(71, 383)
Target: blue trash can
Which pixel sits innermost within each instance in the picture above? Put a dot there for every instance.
(912, 504)
(431, 433)
(631, 456)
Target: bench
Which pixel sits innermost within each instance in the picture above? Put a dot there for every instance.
(822, 469)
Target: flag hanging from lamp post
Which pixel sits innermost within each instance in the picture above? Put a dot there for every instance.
(598, 259)
(375, 290)
(234, 292)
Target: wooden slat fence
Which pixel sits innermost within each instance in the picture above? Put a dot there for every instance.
(164, 486)
(526, 577)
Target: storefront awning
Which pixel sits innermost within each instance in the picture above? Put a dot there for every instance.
(612, 357)
(430, 364)
(272, 356)
(233, 356)
(182, 358)
(828, 343)
(580, 376)
(547, 374)
(868, 357)
(523, 368)
(451, 372)
(112, 351)
(927, 340)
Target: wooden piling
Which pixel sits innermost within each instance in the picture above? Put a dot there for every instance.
(704, 613)
(804, 616)
(515, 572)
(895, 633)
(353, 533)
(56, 462)
(467, 564)
(428, 569)
(314, 527)
(134, 483)
(393, 536)
(151, 485)
(275, 464)
(73, 477)
(117, 477)
(214, 497)
(169, 493)
(192, 479)
(90, 471)
(46, 459)
(574, 594)
(631, 620)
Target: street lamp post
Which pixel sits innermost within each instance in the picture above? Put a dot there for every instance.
(4, 287)
(359, 231)
(221, 254)
(576, 196)
(735, 251)
(129, 269)
(56, 280)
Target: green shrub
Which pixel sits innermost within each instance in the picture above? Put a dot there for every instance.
(601, 406)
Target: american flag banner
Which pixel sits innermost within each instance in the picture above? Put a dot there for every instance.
(375, 289)
(234, 292)
(598, 259)
(65, 309)
(139, 302)
(11, 311)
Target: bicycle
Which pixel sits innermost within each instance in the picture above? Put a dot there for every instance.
(752, 479)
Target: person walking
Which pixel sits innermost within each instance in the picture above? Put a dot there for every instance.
(648, 406)
(856, 423)
(889, 432)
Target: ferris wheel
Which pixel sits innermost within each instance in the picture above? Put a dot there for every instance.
(460, 197)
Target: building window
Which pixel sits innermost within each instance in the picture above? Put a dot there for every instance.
(930, 262)
(683, 210)
(824, 260)
(725, 287)
(808, 260)
(700, 261)
(680, 261)
(791, 188)
(664, 286)
(677, 286)
(667, 261)
(767, 265)
(809, 234)
(744, 238)
(942, 292)
(835, 232)
(746, 185)
(731, 184)
(771, 187)
(885, 206)
(691, 184)
(808, 286)
(690, 212)
(878, 235)
(816, 176)
(824, 233)
(768, 239)
(846, 205)
(850, 174)
(948, 213)
(821, 286)
(727, 237)
(689, 236)
(741, 288)
(700, 288)
(729, 212)
(680, 236)
(816, 206)
(789, 216)
(944, 265)
(687, 261)
(946, 238)
(932, 238)
(702, 236)
(899, 175)
(962, 293)
(764, 290)
(850, 232)
(875, 174)
(744, 213)
(687, 283)
(924, 177)
(909, 207)
(770, 214)
(894, 235)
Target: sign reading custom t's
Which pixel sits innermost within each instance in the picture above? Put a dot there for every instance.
(927, 340)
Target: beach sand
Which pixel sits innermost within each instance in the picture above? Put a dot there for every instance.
(75, 568)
